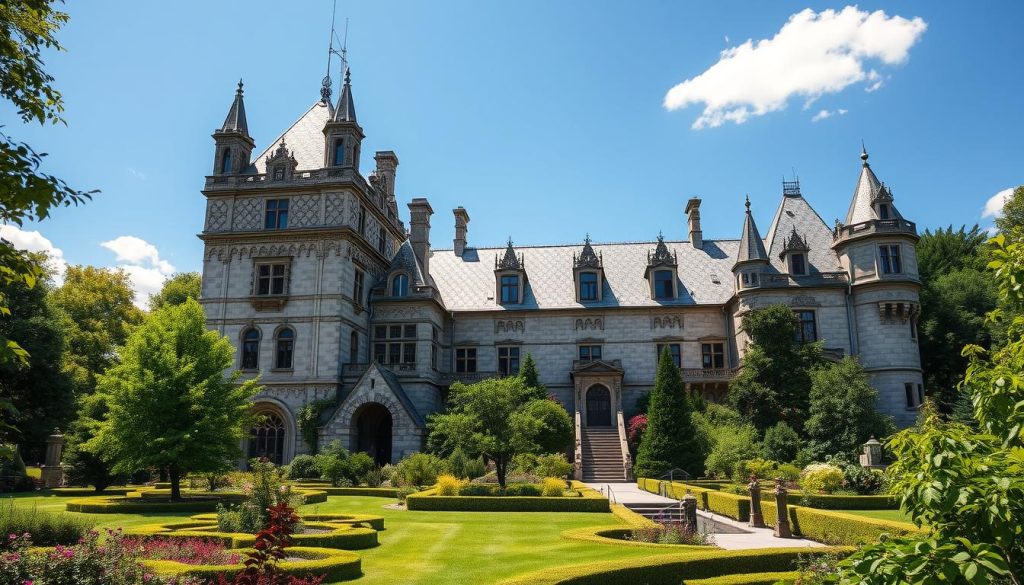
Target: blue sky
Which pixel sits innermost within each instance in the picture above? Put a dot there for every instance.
(546, 120)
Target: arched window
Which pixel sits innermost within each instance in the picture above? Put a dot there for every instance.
(353, 348)
(251, 349)
(339, 152)
(400, 286)
(225, 161)
(285, 348)
(266, 438)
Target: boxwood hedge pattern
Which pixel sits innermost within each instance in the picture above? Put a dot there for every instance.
(329, 535)
(589, 500)
(333, 564)
(365, 520)
(833, 527)
(672, 569)
(617, 535)
(708, 499)
(156, 501)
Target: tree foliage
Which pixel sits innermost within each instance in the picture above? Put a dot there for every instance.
(670, 440)
(498, 418)
(843, 411)
(1012, 217)
(176, 290)
(781, 442)
(171, 407)
(774, 383)
(27, 27)
(99, 305)
(966, 486)
(531, 377)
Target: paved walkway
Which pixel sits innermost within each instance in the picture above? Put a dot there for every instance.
(629, 493)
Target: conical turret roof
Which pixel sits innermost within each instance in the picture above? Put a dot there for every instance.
(235, 121)
(869, 190)
(751, 244)
(346, 110)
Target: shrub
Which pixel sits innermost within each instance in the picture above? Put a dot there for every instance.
(670, 439)
(46, 528)
(332, 462)
(114, 562)
(553, 487)
(523, 489)
(419, 469)
(780, 443)
(759, 468)
(672, 533)
(303, 466)
(189, 551)
(448, 485)
(732, 444)
(635, 429)
(863, 481)
(457, 462)
(476, 489)
(375, 477)
(821, 478)
(788, 472)
(550, 465)
(265, 491)
(359, 465)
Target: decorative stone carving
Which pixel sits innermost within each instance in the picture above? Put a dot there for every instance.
(217, 216)
(587, 258)
(595, 323)
(509, 326)
(304, 211)
(804, 301)
(661, 255)
(667, 322)
(898, 312)
(248, 214)
(510, 261)
(334, 209)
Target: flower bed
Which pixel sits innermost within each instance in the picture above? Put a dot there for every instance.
(321, 534)
(587, 500)
(335, 565)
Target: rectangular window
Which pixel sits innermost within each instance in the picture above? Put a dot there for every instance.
(674, 349)
(433, 357)
(394, 344)
(508, 361)
(920, 394)
(798, 266)
(357, 287)
(890, 259)
(382, 241)
(589, 353)
(362, 220)
(271, 278)
(908, 389)
(913, 328)
(883, 211)
(510, 289)
(664, 284)
(276, 214)
(465, 360)
(588, 286)
(712, 355)
(806, 329)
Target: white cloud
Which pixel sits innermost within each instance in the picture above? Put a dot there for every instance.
(823, 114)
(995, 203)
(137, 174)
(34, 241)
(141, 260)
(812, 54)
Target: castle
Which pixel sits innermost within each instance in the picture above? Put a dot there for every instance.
(312, 274)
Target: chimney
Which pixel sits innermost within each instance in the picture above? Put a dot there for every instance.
(387, 163)
(419, 232)
(693, 216)
(461, 227)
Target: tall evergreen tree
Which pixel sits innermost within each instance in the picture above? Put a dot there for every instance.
(670, 440)
(171, 407)
(531, 377)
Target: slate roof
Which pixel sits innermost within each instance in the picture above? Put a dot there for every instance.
(305, 138)
(235, 120)
(751, 245)
(405, 260)
(868, 188)
(467, 283)
(794, 213)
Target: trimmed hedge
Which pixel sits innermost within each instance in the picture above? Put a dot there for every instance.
(359, 491)
(710, 500)
(670, 569)
(335, 565)
(338, 536)
(632, 518)
(616, 535)
(831, 502)
(589, 500)
(80, 492)
(747, 579)
(833, 527)
(149, 501)
(367, 520)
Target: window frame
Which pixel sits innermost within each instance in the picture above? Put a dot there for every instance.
(339, 149)
(358, 287)
(271, 264)
(382, 240)
(465, 360)
(671, 284)
(588, 349)
(246, 350)
(284, 347)
(594, 286)
(508, 364)
(394, 344)
(279, 213)
(399, 285)
(794, 258)
(675, 348)
(800, 332)
(353, 347)
(889, 258)
(712, 355)
(225, 162)
(910, 394)
(513, 285)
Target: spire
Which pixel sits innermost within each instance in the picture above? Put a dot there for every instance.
(510, 261)
(751, 244)
(346, 110)
(235, 122)
(867, 194)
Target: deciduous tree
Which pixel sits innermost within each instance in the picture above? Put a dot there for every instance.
(171, 407)
(843, 411)
(176, 290)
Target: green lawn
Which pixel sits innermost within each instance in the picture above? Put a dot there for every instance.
(894, 515)
(421, 548)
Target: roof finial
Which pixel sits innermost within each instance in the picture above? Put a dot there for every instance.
(863, 153)
(240, 84)
(747, 204)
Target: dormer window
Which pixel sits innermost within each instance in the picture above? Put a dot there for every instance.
(225, 161)
(339, 152)
(661, 271)
(797, 264)
(588, 286)
(664, 284)
(509, 288)
(883, 211)
(400, 285)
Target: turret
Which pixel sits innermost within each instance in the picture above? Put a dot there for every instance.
(233, 145)
(752, 258)
(342, 134)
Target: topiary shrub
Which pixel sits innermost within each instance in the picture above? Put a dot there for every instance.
(303, 467)
(821, 478)
(780, 443)
(448, 485)
(553, 487)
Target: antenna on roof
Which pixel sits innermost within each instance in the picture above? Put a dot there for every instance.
(325, 87)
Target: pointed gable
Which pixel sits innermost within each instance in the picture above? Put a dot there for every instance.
(405, 261)
(812, 235)
(305, 140)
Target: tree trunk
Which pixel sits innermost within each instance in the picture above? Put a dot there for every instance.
(500, 467)
(175, 477)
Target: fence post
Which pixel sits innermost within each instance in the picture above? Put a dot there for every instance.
(690, 512)
(782, 529)
(756, 517)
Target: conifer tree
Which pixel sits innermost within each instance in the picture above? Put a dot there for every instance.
(670, 440)
(531, 377)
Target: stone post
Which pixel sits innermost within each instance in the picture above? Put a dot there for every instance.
(756, 517)
(690, 512)
(52, 474)
(782, 522)
(872, 456)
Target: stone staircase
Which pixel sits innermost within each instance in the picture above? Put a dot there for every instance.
(602, 455)
(660, 513)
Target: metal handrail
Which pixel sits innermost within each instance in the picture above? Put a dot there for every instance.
(611, 494)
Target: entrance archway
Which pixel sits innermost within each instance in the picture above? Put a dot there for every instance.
(266, 437)
(599, 406)
(372, 425)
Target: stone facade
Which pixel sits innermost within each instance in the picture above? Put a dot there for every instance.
(330, 300)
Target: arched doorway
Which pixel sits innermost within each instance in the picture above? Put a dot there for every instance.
(266, 438)
(599, 406)
(373, 431)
